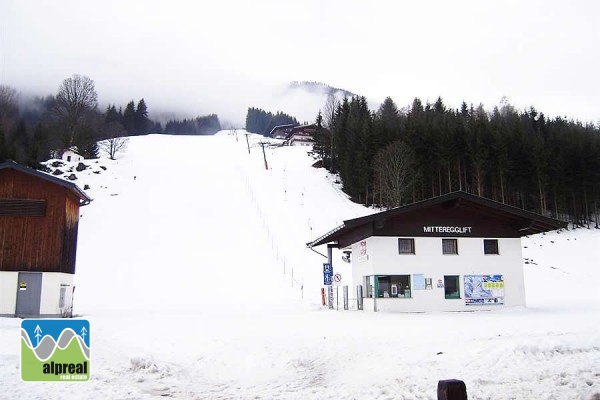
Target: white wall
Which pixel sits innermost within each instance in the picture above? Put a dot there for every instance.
(8, 292)
(384, 259)
(74, 156)
(51, 284)
(50, 296)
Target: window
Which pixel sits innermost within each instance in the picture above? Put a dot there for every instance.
(393, 286)
(490, 246)
(406, 246)
(451, 287)
(449, 246)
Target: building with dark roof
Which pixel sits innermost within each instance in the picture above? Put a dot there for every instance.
(39, 218)
(281, 131)
(455, 252)
(301, 135)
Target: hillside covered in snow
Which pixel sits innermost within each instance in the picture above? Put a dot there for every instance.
(193, 271)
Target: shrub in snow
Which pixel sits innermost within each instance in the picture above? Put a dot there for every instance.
(57, 172)
(81, 167)
(72, 177)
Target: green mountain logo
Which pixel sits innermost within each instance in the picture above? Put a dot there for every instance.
(55, 350)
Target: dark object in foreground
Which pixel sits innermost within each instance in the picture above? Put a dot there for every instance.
(451, 389)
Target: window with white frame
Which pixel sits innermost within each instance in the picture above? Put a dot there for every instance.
(406, 246)
(490, 246)
(449, 246)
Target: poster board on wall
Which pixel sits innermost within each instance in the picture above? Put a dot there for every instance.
(419, 281)
(484, 289)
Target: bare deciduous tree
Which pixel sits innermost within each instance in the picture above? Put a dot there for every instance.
(75, 102)
(113, 146)
(329, 109)
(394, 173)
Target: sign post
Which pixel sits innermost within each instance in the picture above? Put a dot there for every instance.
(327, 274)
(337, 278)
(328, 281)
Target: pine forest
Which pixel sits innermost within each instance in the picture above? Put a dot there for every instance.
(393, 156)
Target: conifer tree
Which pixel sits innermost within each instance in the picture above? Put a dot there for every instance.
(112, 115)
(322, 142)
(141, 121)
(128, 120)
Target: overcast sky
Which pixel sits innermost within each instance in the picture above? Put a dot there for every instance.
(223, 56)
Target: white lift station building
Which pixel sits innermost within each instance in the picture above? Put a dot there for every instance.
(455, 252)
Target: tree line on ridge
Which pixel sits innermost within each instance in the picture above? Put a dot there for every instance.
(32, 130)
(391, 156)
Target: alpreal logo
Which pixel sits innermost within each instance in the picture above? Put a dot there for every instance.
(55, 350)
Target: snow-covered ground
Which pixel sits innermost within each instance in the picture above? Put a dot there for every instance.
(193, 272)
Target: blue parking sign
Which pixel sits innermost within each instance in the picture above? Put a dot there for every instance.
(327, 274)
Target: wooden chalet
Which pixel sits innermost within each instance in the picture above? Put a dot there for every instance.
(301, 135)
(281, 131)
(39, 217)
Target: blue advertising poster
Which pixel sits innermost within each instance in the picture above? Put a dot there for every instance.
(484, 289)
